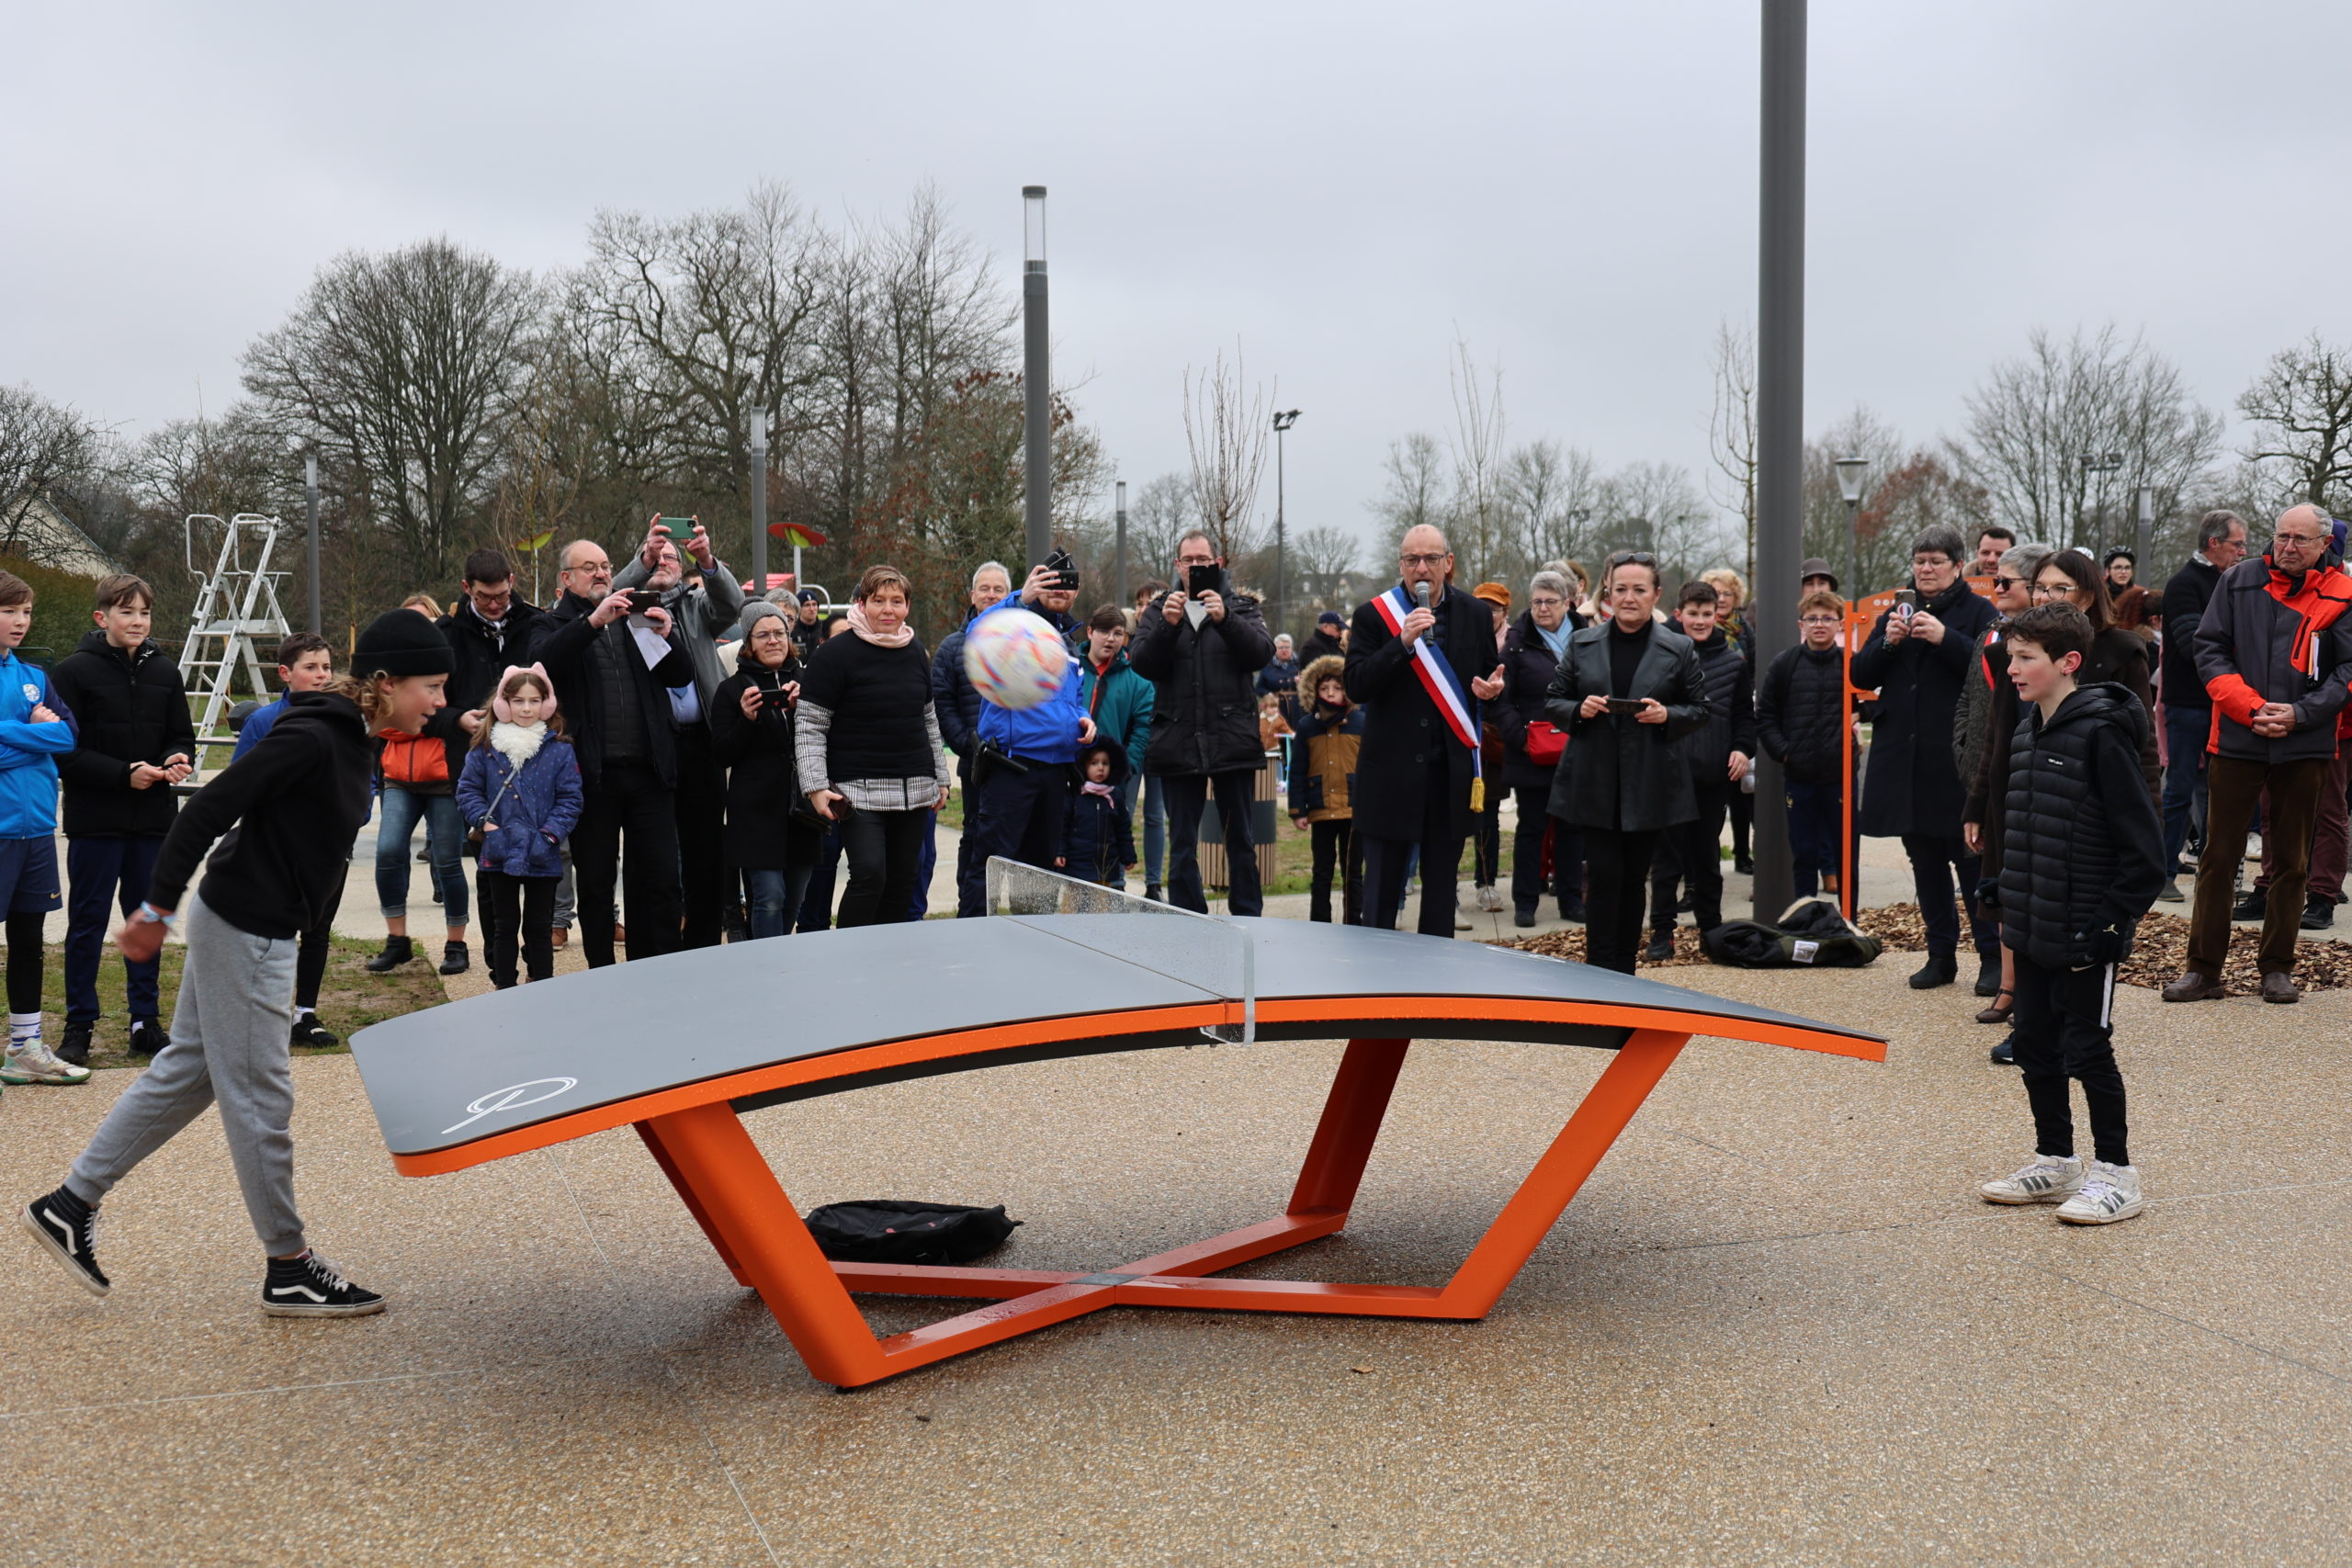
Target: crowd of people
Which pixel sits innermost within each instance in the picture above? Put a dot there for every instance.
(659, 748)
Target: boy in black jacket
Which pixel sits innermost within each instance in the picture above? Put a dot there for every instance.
(2081, 866)
(1800, 711)
(136, 743)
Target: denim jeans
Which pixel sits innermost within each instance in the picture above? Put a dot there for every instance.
(444, 838)
(773, 893)
(1155, 831)
(2185, 732)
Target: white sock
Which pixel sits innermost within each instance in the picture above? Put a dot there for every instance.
(23, 1027)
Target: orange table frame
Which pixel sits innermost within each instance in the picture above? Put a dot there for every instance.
(695, 1136)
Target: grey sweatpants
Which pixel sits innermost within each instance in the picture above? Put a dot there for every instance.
(230, 1029)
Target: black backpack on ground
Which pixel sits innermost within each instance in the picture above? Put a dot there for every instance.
(1811, 932)
(887, 1230)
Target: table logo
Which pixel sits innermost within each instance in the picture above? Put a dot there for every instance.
(512, 1098)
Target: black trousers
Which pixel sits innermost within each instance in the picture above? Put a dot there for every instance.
(1388, 863)
(699, 804)
(628, 807)
(885, 851)
(1015, 816)
(311, 958)
(1187, 796)
(518, 908)
(1691, 853)
(2064, 1032)
(1527, 885)
(1617, 866)
(1336, 852)
(1935, 863)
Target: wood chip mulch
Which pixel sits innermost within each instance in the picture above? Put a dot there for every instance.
(2159, 956)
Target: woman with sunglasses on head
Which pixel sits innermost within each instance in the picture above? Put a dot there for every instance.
(1982, 725)
(2117, 655)
(1625, 691)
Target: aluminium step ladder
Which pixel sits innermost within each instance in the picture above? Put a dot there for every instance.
(236, 603)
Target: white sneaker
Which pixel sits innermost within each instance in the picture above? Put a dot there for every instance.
(33, 1062)
(2111, 1192)
(1461, 920)
(2049, 1179)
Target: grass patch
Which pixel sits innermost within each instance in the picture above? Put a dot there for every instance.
(350, 998)
(1294, 858)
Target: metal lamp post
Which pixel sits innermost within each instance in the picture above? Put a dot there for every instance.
(2144, 537)
(311, 510)
(2102, 464)
(760, 506)
(1037, 438)
(1120, 569)
(1852, 472)
(1282, 421)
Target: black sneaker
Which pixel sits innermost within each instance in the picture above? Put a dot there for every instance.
(74, 1049)
(1522, 919)
(1660, 949)
(148, 1036)
(454, 960)
(398, 950)
(1743, 864)
(67, 1230)
(2319, 912)
(1941, 969)
(309, 1032)
(1573, 911)
(310, 1286)
(2253, 907)
(2004, 1055)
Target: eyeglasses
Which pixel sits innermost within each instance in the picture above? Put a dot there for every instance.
(2008, 583)
(1546, 602)
(2306, 540)
(2053, 590)
(1818, 620)
(1423, 560)
(769, 634)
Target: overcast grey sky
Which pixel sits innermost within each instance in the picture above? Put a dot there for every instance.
(1341, 188)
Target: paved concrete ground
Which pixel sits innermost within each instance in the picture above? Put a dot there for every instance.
(1777, 1325)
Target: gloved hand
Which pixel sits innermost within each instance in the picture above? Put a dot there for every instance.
(1988, 894)
(2108, 944)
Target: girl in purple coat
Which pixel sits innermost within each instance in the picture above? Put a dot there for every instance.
(520, 791)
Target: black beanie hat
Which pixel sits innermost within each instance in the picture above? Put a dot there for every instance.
(402, 642)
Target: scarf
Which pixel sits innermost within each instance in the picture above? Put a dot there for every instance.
(519, 743)
(865, 629)
(1556, 641)
(1106, 791)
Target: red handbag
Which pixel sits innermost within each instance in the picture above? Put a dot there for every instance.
(1545, 742)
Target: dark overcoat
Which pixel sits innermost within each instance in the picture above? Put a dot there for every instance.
(1402, 726)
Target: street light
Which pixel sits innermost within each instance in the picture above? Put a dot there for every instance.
(2101, 464)
(2144, 541)
(1119, 591)
(1282, 421)
(1037, 431)
(759, 486)
(1851, 484)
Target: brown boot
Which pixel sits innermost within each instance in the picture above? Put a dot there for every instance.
(2279, 986)
(2195, 987)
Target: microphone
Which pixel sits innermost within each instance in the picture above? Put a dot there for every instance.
(1422, 594)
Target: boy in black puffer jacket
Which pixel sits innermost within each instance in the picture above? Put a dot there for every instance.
(1799, 709)
(2081, 867)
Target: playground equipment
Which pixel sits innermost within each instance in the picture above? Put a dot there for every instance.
(236, 602)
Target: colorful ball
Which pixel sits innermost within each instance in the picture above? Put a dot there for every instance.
(1015, 660)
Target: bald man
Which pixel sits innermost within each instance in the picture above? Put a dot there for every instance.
(2275, 652)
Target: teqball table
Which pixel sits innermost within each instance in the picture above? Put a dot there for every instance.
(522, 1069)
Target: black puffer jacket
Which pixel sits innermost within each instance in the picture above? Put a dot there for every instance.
(1619, 772)
(1913, 783)
(1528, 668)
(1205, 702)
(2083, 850)
(130, 708)
(1798, 709)
(1730, 685)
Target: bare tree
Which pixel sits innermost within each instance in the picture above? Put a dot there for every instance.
(403, 364)
(1478, 508)
(43, 446)
(1731, 430)
(1414, 490)
(1160, 513)
(1322, 558)
(1552, 496)
(2041, 429)
(2300, 407)
(1660, 508)
(1226, 424)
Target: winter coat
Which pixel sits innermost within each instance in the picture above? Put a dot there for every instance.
(1119, 701)
(2116, 654)
(2185, 601)
(29, 751)
(535, 809)
(1279, 677)
(1617, 771)
(1912, 784)
(1403, 730)
(1528, 668)
(1324, 752)
(1204, 707)
(480, 655)
(955, 698)
(1098, 832)
(565, 642)
(2269, 638)
(1319, 645)
(761, 833)
(2084, 836)
(705, 605)
(1731, 710)
(1800, 713)
(1048, 732)
(130, 706)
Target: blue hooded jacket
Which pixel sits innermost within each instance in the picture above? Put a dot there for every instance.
(29, 751)
(1046, 733)
(534, 812)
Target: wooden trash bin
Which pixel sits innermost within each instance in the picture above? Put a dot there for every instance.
(1263, 817)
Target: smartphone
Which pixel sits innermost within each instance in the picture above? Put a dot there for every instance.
(1906, 600)
(642, 599)
(680, 529)
(1627, 707)
(1200, 579)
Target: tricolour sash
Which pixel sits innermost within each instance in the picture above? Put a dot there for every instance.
(1444, 687)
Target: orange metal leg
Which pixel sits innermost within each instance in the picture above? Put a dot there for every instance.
(653, 1136)
(1352, 1117)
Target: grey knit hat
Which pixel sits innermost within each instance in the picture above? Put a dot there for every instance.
(755, 612)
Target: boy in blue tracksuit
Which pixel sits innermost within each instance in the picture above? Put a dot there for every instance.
(1021, 778)
(35, 731)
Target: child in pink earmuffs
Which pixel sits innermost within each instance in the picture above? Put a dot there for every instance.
(520, 794)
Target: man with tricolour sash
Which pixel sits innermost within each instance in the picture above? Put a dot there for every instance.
(1421, 658)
